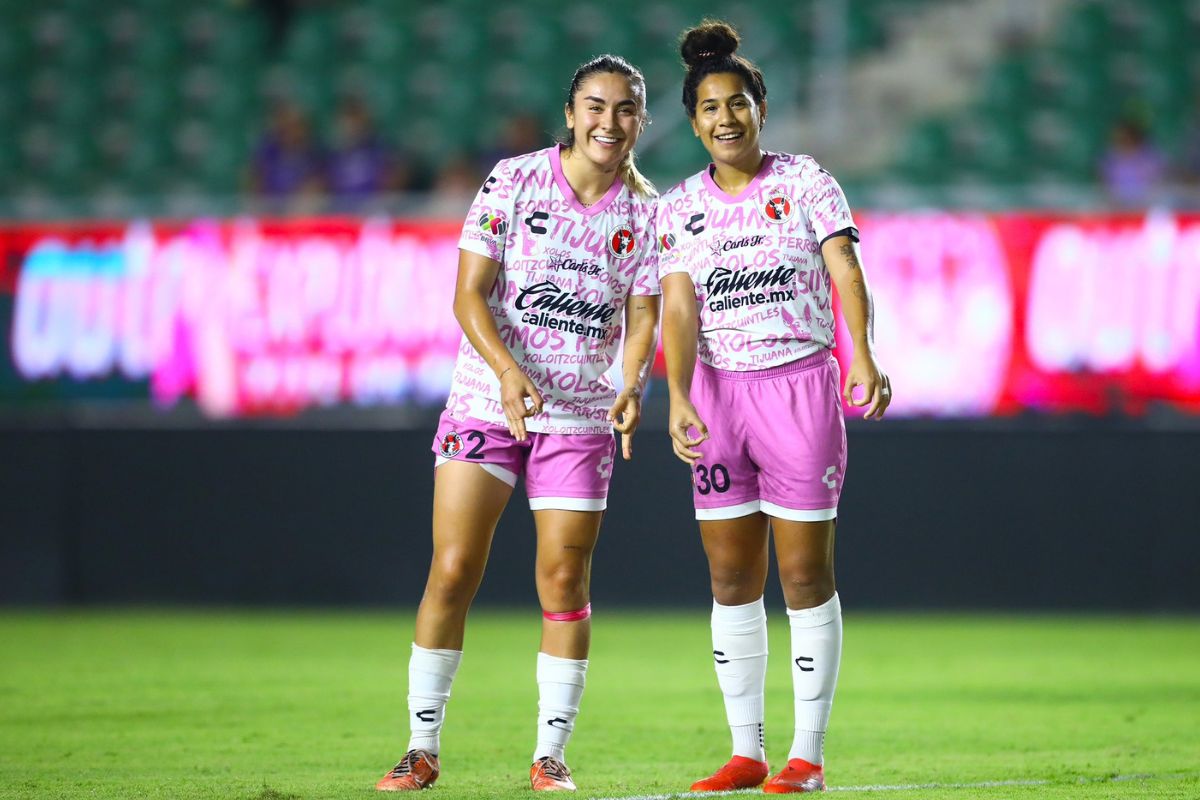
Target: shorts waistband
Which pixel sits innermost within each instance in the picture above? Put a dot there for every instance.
(818, 358)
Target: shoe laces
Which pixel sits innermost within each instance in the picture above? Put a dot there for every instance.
(554, 768)
(406, 764)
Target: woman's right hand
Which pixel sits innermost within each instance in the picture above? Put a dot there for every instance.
(515, 387)
(682, 420)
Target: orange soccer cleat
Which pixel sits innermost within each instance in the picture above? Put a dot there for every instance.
(550, 775)
(417, 770)
(739, 773)
(797, 776)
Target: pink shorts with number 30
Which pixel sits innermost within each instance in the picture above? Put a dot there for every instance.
(562, 471)
(777, 441)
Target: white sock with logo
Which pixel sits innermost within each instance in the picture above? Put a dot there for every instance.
(816, 656)
(739, 636)
(430, 673)
(560, 687)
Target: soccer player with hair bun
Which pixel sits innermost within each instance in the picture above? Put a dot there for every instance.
(556, 265)
(749, 251)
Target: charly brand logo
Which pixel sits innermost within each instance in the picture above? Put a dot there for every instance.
(666, 242)
(493, 223)
(426, 715)
(828, 479)
(488, 184)
(452, 444)
(557, 722)
(534, 221)
(694, 224)
(620, 241)
(778, 208)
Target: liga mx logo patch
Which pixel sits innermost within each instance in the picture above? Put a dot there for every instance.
(452, 444)
(493, 223)
(666, 242)
(620, 241)
(778, 208)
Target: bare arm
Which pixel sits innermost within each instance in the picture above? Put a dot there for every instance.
(641, 322)
(680, 326)
(476, 276)
(841, 258)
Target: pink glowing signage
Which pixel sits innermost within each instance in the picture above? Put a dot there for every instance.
(975, 314)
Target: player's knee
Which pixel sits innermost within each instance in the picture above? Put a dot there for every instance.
(453, 580)
(564, 585)
(806, 584)
(734, 587)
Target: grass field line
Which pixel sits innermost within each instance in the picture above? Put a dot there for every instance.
(909, 787)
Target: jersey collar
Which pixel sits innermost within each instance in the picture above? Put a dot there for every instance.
(555, 156)
(752, 187)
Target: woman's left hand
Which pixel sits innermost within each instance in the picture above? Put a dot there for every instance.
(876, 385)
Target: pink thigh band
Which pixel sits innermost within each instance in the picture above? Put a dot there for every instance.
(569, 616)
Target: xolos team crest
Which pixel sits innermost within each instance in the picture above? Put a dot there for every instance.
(778, 208)
(452, 444)
(493, 223)
(620, 241)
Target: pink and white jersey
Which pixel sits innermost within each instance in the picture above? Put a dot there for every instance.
(762, 290)
(566, 272)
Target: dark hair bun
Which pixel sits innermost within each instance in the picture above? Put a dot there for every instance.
(709, 39)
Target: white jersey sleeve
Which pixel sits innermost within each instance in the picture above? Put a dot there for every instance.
(825, 203)
(488, 226)
(645, 282)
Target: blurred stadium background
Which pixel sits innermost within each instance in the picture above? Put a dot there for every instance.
(228, 243)
(227, 246)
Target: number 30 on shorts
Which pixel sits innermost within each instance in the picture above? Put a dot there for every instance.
(714, 479)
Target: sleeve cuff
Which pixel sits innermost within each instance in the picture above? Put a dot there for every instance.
(851, 231)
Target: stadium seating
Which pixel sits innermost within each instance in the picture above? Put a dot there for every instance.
(1045, 110)
(143, 95)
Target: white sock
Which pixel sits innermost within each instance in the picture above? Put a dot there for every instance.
(739, 635)
(430, 673)
(560, 687)
(816, 655)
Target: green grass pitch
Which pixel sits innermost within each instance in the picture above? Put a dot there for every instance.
(267, 706)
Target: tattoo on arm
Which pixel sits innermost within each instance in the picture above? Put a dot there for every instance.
(859, 290)
(851, 257)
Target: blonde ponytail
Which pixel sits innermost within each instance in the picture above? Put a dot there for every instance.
(638, 183)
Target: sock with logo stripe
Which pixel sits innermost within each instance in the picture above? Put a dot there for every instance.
(739, 636)
(560, 687)
(816, 656)
(430, 673)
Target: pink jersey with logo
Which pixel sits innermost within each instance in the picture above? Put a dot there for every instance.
(762, 290)
(566, 272)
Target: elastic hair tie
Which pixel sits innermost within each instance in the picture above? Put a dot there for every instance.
(706, 54)
(569, 616)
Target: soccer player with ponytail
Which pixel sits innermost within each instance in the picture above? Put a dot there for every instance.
(556, 265)
(749, 248)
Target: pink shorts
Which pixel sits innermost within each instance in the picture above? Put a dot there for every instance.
(562, 471)
(777, 441)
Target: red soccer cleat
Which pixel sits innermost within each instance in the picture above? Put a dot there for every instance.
(417, 770)
(739, 773)
(550, 775)
(797, 776)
